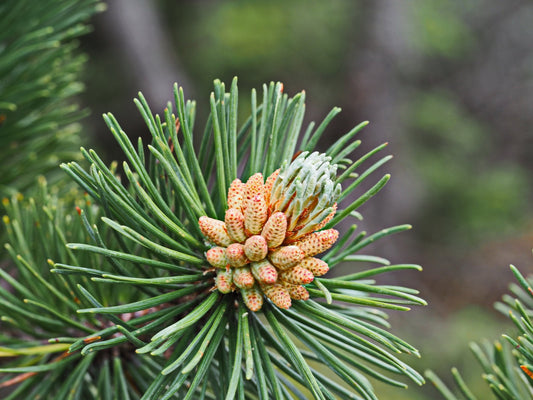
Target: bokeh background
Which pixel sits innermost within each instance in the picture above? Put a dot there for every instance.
(449, 84)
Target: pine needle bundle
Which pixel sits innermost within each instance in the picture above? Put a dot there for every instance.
(205, 269)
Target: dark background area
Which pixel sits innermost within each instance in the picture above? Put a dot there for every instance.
(449, 84)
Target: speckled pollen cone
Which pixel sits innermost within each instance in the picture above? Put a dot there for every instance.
(272, 230)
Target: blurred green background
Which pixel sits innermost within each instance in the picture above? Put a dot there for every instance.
(449, 84)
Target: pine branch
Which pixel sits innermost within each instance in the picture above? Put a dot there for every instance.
(508, 364)
(40, 322)
(208, 286)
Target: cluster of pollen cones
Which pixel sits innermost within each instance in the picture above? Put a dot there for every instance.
(263, 247)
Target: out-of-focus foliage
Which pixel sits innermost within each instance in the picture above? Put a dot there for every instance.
(471, 75)
(469, 196)
(303, 40)
(39, 75)
(440, 29)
